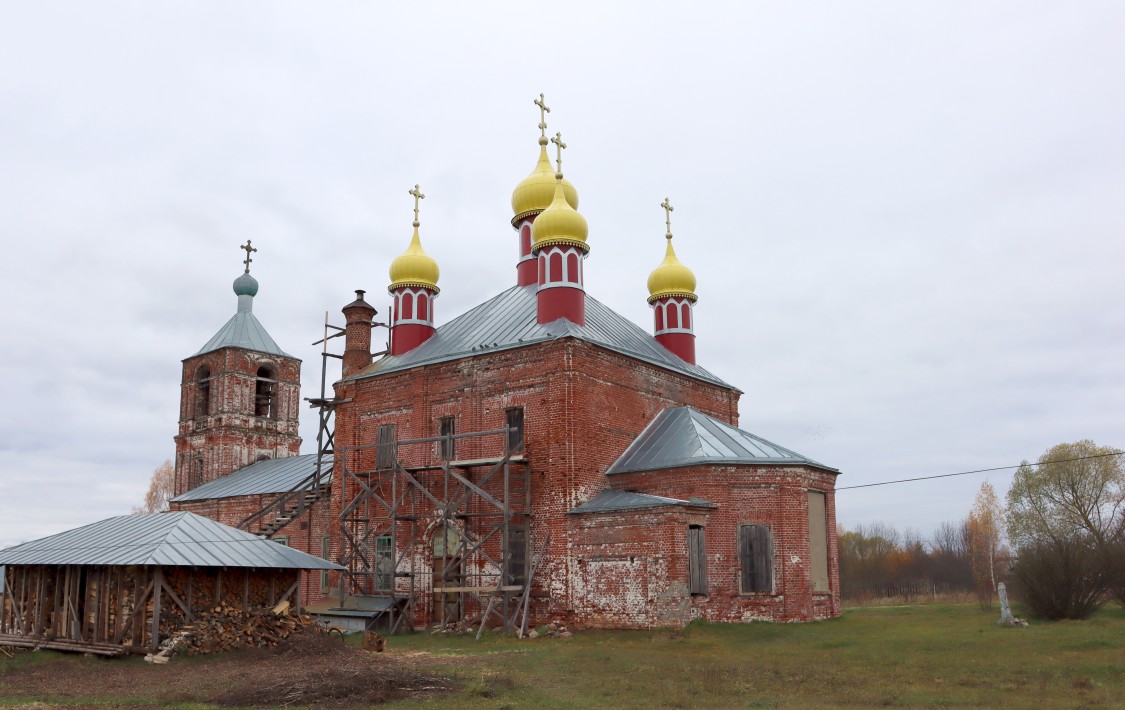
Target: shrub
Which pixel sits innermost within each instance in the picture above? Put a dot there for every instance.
(1063, 578)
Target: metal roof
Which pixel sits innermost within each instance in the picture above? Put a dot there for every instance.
(270, 476)
(243, 330)
(174, 539)
(681, 436)
(608, 501)
(508, 320)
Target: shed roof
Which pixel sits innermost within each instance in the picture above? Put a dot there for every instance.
(682, 436)
(508, 320)
(269, 476)
(608, 501)
(174, 539)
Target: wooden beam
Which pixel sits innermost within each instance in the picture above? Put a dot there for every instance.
(40, 591)
(246, 589)
(4, 604)
(158, 584)
(175, 597)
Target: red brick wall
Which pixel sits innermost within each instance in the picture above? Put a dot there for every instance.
(773, 496)
(230, 436)
(582, 404)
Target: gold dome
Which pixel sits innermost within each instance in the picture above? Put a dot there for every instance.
(535, 193)
(414, 267)
(671, 278)
(560, 223)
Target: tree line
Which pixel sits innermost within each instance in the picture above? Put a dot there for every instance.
(1058, 540)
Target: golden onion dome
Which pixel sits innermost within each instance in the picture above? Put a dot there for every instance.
(671, 278)
(560, 223)
(414, 267)
(535, 192)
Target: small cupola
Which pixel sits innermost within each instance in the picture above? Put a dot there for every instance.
(671, 288)
(414, 278)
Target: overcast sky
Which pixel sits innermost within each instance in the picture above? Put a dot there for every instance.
(906, 219)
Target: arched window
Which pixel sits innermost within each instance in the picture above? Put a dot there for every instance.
(407, 306)
(686, 318)
(673, 315)
(542, 269)
(265, 393)
(423, 307)
(572, 268)
(556, 266)
(202, 391)
(659, 316)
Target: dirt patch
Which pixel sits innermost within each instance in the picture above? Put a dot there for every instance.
(308, 669)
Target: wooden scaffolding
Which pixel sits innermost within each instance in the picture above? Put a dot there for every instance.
(453, 534)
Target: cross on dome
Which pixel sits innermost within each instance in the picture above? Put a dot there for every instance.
(247, 248)
(668, 210)
(558, 141)
(417, 196)
(543, 111)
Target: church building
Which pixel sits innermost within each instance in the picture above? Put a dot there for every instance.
(538, 457)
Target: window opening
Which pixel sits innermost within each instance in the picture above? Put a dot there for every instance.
(513, 420)
(265, 397)
(384, 564)
(203, 391)
(282, 541)
(326, 554)
(697, 560)
(516, 554)
(447, 428)
(755, 554)
(385, 450)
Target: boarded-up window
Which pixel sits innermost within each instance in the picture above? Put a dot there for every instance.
(447, 427)
(513, 419)
(697, 560)
(755, 555)
(818, 541)
(516, 554)
(385, 449)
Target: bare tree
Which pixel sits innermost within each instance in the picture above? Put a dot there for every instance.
(985, 528)
(160, 490)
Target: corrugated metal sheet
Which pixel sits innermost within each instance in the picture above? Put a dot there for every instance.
(681, 436)
(627, 500)
(175, 539)
(243, 330)
(271, 476)
(508, 320)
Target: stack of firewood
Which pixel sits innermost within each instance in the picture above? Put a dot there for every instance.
(224, 628)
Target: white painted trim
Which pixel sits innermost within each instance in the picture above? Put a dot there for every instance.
(562, 284)
(676, 330)
(414, 321)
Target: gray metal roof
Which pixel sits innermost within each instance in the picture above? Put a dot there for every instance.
(609, 501)
(243, 330)
(270, 476)
(681, 436)
(175, 539)
(508, 320)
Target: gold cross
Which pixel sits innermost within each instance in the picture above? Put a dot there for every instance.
(247, 248)
(558, 141)
(543, 111)
(417, 196)
(668, 210)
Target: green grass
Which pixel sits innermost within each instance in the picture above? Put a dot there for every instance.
(909, 656)
(918, 656)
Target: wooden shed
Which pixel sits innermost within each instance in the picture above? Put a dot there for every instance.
(124, 584)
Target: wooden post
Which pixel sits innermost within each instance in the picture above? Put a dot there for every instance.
(58, 621)
(218, 586)
(273, 575)
(4, 603)
(137, 634)
(246, 589)
(190, 577)
(157, 587)
(40, 591)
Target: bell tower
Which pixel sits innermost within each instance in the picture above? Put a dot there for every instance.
(239, 397)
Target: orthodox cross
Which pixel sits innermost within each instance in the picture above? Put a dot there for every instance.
(543, 111)
(558, 141)
(417, 196)
(668, 210)
(247, 248)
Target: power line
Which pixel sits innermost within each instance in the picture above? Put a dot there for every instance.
(979, 470)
